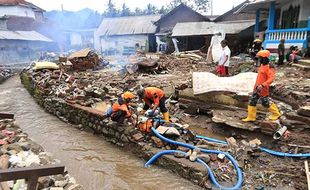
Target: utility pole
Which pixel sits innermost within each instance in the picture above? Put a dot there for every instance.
(211, 6)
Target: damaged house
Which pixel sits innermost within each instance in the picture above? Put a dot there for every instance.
(289, 20)
(124, 35)
(167, 22)
(19, 40)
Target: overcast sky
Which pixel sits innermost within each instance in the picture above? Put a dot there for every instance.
(219, 6)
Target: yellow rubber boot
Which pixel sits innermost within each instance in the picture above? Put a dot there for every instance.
(251, 114)
(275, 113)
(166, 117)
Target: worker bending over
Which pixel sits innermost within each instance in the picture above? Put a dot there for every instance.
(266, 75)
(120, 109)
(156, 96)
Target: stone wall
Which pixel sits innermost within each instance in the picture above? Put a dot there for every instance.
(127, 137)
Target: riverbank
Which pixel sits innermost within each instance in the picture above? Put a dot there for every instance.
(73, 101)
(19, 151)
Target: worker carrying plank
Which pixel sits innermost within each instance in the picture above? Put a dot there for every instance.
(266, 75)
(120, 109)
(156, 96)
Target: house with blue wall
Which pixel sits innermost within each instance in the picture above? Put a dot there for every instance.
(288, 19)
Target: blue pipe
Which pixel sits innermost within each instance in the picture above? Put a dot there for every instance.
(211, 139)
(233, 161)
(283, 154)
(211, 174)
(272, 152)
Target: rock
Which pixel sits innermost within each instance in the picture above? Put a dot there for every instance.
(138, 137)
(204, 157)
(231, 141)
(44, 182)
(124, 139)
(15, 147)
(56, 188)
(304, 111)
(35, 148)
(179, 155)
(221, 157)
(213, 157)
(4, 161)
(256, 142)
(159, 143)
(24, 145)
(74, 187)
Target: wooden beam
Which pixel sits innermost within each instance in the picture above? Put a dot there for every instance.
(24, 173)
(307, 174)
(6, 116)
(31, 174)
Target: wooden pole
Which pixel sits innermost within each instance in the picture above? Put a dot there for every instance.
(307, 174)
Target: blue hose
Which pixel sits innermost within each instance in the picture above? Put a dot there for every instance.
(283, 154)
(272, 152)
(212, 178)
(211, 174)
(211, 139)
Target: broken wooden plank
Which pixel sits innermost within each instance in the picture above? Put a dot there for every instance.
(32, 174)
(307, 174)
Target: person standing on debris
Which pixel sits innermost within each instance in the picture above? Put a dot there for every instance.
(224, 59)
(120, 109)
(266, 75)
(256, 47)
(281, 51)
(156, 96)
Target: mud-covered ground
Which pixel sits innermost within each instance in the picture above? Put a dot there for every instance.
(261, 170)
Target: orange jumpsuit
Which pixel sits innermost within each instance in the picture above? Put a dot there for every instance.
(266, 75)
(156, 96)
(120, 110)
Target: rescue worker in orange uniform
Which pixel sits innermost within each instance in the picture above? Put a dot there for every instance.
(156, 96)
(120, 109)
(266, 75)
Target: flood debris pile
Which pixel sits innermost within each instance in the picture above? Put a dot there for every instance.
(163, 64)
(5, 74)
(82, 60)
(18, 151)
(83, 97)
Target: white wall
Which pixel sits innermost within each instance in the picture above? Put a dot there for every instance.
(16, 11)
(305, 10)
(75, 39)
(119, 42)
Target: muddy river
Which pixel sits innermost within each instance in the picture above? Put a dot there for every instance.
(94, 163)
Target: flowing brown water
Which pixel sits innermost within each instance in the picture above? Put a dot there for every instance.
(96, 164)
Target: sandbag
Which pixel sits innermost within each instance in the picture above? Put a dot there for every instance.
(45, 65)
(167, 131)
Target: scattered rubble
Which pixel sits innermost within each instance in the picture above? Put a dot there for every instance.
(74, 97)
(5, 74)
(18, 151)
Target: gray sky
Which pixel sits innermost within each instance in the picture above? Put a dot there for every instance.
(219, 6)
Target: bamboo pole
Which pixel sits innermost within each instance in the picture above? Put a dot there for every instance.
(307, 174)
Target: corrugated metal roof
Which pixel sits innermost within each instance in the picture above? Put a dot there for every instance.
(21, 3)
(81, 53)
(23, 35)
(128, 25)
(209, 28)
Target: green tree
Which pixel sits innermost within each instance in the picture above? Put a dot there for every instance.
(201, 6)
(125, 11)
(111, 10)
(138, 12)
(163, 10)
(150, 9)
